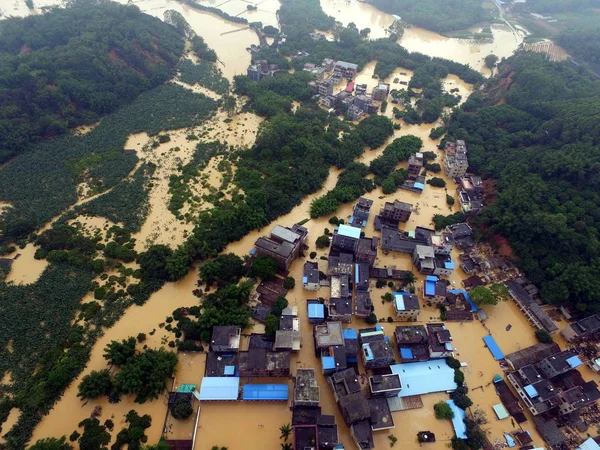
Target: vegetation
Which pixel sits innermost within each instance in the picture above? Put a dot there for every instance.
(443, 411)
(375, 129)
(289, 283)
(73, 71)
(182, 408)
(52, 444)
(95, 384)
(541, 148)
(134, 435)
(436, 182)
(482, 295)
(322, 241)
(436, 15)
(490, 61)
(449, 200)
(49, 165)
(205, 73)
(543, 336)
(440, 221)
(264, 268)
(223, 270)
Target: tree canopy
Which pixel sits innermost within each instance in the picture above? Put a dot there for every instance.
(71, 66)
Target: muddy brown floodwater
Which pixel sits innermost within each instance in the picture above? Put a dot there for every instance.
(254, 426)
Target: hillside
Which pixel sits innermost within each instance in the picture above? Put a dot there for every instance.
(71, 66)
(436, 15)
(535, 132)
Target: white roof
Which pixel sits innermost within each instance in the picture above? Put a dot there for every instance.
(347, 230)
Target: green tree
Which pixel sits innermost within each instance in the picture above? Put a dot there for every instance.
(371, 319)
(408, 278)
(264, 268)
(500, 291)
(482, 295)
(322, 241)
(52, 444)
(224, 269)
(490, 61)
(289, 283)
(95, 384)
(119, 353)
(287, 446)
(153, 262)
(182, 409)
(436, 182)
(443, 411)
(178, 264)
(271, 325)
(146, 374)
(285, 430)
(94, 436)
(543, 336)
(449, 200)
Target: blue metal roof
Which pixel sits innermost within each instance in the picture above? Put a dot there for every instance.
(574, 361)
(219, 388)
(458, 422)
(418, 185)
(449, 265)
(367, 352)
(406, 353)
(531, 391)
(347, 230)
(229, 370)
(430, 287)
(509, 440)
(328, 362)
(589, 444)
(349, 333)
(316, 311)
(273, 392)
(493, 347)
(399, 299)
(431, 278)
(425, 377)
(304, 279)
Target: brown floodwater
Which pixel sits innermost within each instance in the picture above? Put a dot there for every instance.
(26, 269)
(13, 417)
(266, 11)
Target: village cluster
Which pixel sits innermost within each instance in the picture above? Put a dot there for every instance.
(372, 370)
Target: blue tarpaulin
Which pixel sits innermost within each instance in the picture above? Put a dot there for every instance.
(493, 347)
(406, 353)
(273, 392)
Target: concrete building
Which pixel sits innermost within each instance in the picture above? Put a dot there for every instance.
(259, 70)
(444, 266)
(339, 309)
(283, 245)
(360, 213)
(406, 306)
(415, 165)
(455, 161)
(361, 277)
(380, 92)
(366, 251)
(394, 213)
(440, 341)
(355, 113)
(385, 385)
(315, 311)
(581, 329)
(225, 339)
(306, 389)
(376, 351)
(345, 239)
(325, 87)
(346, 69)
(263, 363)
(310, 277)
(326, 335)
(424, 259)
(534, 312)
(340, 286)
(413, 343)
(362, 304)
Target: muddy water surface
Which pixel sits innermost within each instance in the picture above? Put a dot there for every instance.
(25, 269)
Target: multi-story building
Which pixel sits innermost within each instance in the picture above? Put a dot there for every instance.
(225, 339)
(440, 341)
(380, 92)
(346, 69)
(406, 306)
(360, 213)
(413, 343)
(415, 165)
(455, 161)
(310, 277)
(375, 349)
(581, 329)
(366, 250)
(326, 87)
(345, 239)
(424, 259)
(283, 245)
(395, 212)
(306, 389)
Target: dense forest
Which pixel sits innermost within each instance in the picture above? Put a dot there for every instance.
(560, 6)
(583, 43)
(436, 15)
(71, 66)
(535, 131)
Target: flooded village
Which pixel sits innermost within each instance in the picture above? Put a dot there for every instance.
(379, 327)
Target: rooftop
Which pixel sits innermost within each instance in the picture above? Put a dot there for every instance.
(219, 388)
(226, 336)
(285, 234)
(310, 273)
(283, 249)
(345, 382)
(339, 285)
(381, 416)
(383, 383)
(458, 422)
(413, 334)
(218, 365)
(265, 392)
(405, 301)
(348, 231)
(306, 389)
(340, 306)
(425, 377)
(587, 325)
(259, 359)
(531, 355)
(363, 435)
(329, 333)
